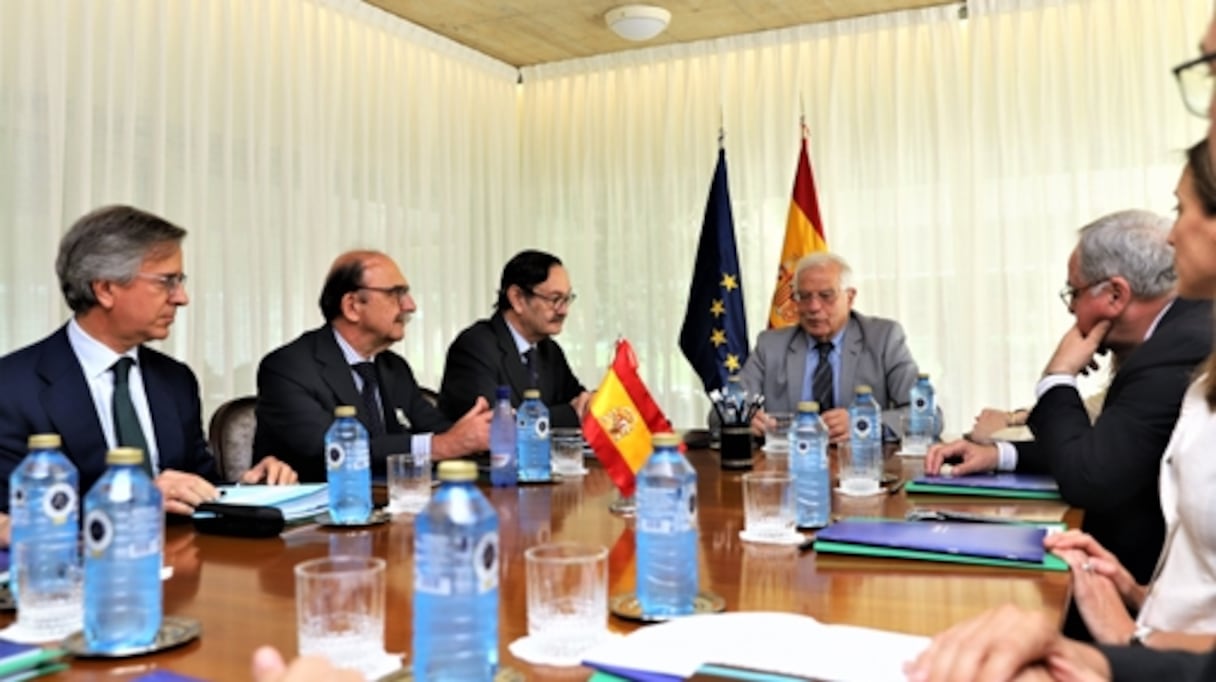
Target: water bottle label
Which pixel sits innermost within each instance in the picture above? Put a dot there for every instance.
(335, 455)
(59, 502)
(861, 428)
(920, 404)
(802, 447)
(667, 510)
(98, 532)
(499, 459)
(429, 560)
(132, 535)
(542, 428)
(485, 562)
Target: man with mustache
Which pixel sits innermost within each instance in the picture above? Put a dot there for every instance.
(366, 302)
(515, 347)
(95, 383)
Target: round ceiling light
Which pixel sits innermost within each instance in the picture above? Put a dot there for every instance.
(637, 22)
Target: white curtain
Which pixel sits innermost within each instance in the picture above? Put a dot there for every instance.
(954, 159)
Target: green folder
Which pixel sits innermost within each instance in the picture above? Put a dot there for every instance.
(1050, 561)
(914, 488)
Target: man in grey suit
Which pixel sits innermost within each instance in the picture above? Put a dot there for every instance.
(832, 350)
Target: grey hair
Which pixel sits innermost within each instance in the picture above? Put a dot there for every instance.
(820, 259)
(1130, 244)
(108, 243)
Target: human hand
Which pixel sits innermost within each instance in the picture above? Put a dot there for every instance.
(976, 458)
(581, 402)
(760, 423)
(837, 421)
(1098, 600)
(1100, 561)
(268, 666)
(6, 529)
(987, 422)
(1075, 354)
(470, 433)
(182, 491)
(271, 471)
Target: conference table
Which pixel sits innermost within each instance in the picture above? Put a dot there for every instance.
(242, 590)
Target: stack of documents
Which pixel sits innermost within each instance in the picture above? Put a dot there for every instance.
(1009, 545)
(755, 646)
(303, 501)
(1020, 486)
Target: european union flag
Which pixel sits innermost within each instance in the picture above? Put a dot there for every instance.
(714, 335)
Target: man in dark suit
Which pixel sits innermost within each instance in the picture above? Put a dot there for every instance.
(515, 347)
(94, 382)
(832, 350)
(1121, 292)
(366, 302)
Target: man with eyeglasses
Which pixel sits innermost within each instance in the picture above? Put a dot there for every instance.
(366, 303)
(95, 383)
(515, 346)
(1120, 289)
(831, 351)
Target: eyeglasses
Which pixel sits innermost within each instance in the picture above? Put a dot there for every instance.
(1069, 293)
(399, 292)
(169, 282)
(826, 297)
(1195, 82)
(555, 301)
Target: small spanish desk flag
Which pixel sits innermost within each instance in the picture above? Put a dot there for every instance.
(621, 418)
(803, 236)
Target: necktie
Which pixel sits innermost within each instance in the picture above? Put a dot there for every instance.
(375, 418)
(822, 382)
(127, 431)
(530, 365)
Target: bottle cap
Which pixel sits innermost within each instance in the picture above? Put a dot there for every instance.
(808, 406)
(665, 440)
(457, 470)
(44, 441)
(344, 411)
(864, 389)
(502, 393)
(532, 394)
(125, 456)
(922, 375)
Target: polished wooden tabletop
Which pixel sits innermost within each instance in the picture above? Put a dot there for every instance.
(242, 590)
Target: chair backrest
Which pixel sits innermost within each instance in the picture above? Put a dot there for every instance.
(230, 434)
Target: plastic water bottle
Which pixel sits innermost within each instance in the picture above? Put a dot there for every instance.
(504, 467)
(809, 466)
(456, 581)
(666, 531)
(45, 571)
(864, 468)
(922, 416)
(734, 402)
(532, 438)
(348, 468)
(124, 524)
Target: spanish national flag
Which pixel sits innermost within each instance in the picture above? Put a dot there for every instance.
(621, 419)
(803, 235)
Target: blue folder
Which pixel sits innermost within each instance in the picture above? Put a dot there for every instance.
(1012, 545)
(1023, 486)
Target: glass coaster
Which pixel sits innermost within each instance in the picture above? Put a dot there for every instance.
(174, 631)
(504, 674)
(628, 607)
(378, 517)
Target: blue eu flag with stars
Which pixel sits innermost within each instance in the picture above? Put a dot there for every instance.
(714, 335)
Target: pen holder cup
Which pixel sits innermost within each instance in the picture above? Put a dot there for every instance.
(736, 447)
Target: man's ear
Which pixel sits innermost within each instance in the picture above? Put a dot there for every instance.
(1118, 295)
(103, 291)
(349, 300)
(515, 296)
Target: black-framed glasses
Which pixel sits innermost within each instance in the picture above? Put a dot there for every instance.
(399, 292)
(1069, 293)
(826, 297)
(555, 301)
(1195, 83)
(170, 282)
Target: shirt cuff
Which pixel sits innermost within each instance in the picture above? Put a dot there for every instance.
(1006, 456)
(1051, 381)
(420, 444)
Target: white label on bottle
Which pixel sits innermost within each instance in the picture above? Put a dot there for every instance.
(59, 502)
(542, 428)
(485, 562)
(335, 455)
(98, 532)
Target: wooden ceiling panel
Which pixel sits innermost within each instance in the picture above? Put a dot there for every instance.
(527, 32)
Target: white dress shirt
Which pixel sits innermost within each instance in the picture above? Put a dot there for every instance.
(420, 443)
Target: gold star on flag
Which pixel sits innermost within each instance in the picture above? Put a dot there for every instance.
(717, 308)
(718, 337)
(732, 362)
(728, 281)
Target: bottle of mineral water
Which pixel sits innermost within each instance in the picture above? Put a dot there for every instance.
(45, 571)
(456, 581)
(922, 416)
(666, 531)
(504, 467)
(124, 523)
(863, 472)
(532, 438)
(348, 468)
(809, 466)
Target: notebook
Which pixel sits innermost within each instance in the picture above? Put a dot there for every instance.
(1007, 545)
(1021, 486)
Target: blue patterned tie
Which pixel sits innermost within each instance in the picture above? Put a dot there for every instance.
(822, 381)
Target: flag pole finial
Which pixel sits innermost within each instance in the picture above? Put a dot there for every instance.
(721, 138)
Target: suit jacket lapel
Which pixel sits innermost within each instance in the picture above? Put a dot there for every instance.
(334, 370)
(850, 356)
(165, 418)
(795, 367)
(69, 403)
(517, 374)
